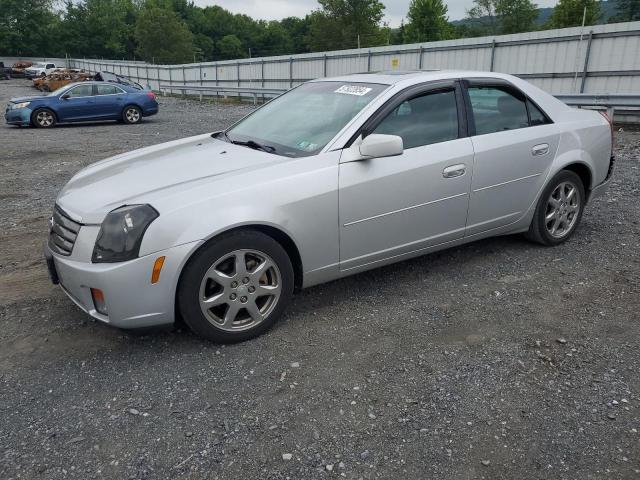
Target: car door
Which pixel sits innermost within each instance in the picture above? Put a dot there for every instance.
(109, 101)
(515, 143)
(397, 205)
(77, 103)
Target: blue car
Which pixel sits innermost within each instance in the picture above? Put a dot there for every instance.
(81, 102)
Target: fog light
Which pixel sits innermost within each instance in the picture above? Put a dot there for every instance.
(98, 301)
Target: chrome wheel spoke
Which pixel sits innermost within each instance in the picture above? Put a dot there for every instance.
(219, 277)
(260, 270)
(231, 314)
(218, 299)
(240, 264)
(254, 311)
(266, 290)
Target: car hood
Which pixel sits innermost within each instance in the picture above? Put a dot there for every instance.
(154, 173)
(29, 98)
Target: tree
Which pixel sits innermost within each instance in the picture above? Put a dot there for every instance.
(229, 47)
(339, 24)
(26, 26)
(427, 21)
(568, 13)
(484, 14)
(297, 29)
(628, 11)
(162, 36)
(516, 16)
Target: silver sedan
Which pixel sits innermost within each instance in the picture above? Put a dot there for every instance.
(335, 177)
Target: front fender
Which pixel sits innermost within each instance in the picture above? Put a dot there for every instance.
(298, 198)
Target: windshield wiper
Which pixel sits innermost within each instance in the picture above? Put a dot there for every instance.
(255, 145)
(249, 143)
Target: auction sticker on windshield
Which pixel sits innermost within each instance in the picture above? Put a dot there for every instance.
(353, 90)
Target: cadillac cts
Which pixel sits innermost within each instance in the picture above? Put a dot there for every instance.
(332, 178)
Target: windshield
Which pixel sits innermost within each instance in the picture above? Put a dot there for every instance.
(62, 89)
(302, 121)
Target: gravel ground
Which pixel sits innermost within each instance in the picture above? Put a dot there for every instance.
(499, 359)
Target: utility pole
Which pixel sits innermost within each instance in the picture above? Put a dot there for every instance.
(358, 41)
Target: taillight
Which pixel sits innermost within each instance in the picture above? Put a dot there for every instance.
(151, 95)
(610, 120)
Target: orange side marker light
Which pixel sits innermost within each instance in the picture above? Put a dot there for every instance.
(157, 268)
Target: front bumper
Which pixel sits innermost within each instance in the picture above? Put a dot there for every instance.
(132, 300)
(19, 116)
(599, 190)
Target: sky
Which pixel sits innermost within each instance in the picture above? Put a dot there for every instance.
(277, 9)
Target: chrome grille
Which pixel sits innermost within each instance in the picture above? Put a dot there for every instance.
(63, 232)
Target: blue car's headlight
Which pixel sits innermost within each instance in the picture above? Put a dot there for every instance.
(121, 233)
(15, 106)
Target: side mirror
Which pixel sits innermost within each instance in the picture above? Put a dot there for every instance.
(64, 96)
(377, 145)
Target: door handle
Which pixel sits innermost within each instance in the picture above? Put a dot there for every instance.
(541, 149)
(454, 171)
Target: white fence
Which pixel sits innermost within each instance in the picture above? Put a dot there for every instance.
(597, 59)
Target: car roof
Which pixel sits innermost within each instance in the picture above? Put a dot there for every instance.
(98, 82)
(409, 77)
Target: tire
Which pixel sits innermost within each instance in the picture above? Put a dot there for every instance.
(222, 303)
(559, 210)
(43, 118)
(131, 114)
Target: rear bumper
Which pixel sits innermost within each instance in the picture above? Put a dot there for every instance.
(599, 190)
(132, 300)
(148, 111)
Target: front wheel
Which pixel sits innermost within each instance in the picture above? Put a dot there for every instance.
(559, 209)
(43, 118)
(235, 287)
(131, 115)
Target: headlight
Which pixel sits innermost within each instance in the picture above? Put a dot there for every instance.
(20, 105)
(121, 233)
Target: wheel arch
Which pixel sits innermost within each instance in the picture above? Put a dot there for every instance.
(132, 104)
(277, 234)
(583, 171)
(43, 107)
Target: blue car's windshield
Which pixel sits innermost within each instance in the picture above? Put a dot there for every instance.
(302, 121)
(59, 91)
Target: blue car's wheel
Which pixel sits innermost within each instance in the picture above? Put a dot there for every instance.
(131, 114)
(43, 118)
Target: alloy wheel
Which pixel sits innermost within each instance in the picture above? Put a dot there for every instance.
(563, 209)
(44, 118)
(133, 115)
(240, 290)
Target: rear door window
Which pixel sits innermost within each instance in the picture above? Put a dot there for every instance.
(536, 117)
(108, 90)
(496, 109)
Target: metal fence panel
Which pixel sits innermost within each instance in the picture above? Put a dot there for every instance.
(597, 59)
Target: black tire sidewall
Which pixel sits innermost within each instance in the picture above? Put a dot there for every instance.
(563, 176)
(189, 285)
(124, 115)
(34, 117)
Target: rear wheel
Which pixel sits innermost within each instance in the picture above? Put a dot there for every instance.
(43, 118)
(236, 287)
(559, 210)
(131, 114)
